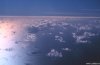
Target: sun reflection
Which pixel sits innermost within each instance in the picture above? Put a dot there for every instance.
(10, 31)
(6, 34)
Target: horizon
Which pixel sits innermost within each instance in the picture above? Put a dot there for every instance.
(58, 16)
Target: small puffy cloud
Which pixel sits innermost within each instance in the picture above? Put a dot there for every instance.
(54, 53)
(66, 49)
(53, 24)
(89, 34)
(79, 39)
(61, 33)
(50, 33)
(59, 38)
(82, 38)
(86, 27)
(30, 37)
(64, 24)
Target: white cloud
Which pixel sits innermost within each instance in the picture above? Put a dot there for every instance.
(59, 38)
(30, 37)
(61, 33)
(66, 49)
(86, 27)
(54, 53)
(89, 34)
(81, 38)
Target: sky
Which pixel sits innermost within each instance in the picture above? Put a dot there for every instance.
(50, 8)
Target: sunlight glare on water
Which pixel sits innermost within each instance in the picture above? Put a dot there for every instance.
(10, 31)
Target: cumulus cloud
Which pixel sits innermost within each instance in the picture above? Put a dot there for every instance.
(86, 27)
(61, 33)
(54, 53)
(66, 49)
(30, 37)
(82, 38)
(59, 38)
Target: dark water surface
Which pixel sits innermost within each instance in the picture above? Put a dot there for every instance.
(49, 40)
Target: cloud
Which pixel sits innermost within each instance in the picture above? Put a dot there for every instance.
(54, 53)
(66, 49)
(82, 38)
(59, 38)
(30, 37)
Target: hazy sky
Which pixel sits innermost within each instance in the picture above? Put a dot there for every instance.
(49, 7)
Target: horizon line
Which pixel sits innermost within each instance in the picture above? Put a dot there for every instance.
(58, 16)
